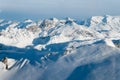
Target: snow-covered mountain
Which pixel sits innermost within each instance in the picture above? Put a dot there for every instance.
(54, 49)
(107, 25)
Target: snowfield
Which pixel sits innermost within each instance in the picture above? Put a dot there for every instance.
(53, 49)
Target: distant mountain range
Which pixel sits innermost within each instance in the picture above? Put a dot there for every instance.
(54, 49)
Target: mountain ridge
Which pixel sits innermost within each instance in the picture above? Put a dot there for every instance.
(54, 49)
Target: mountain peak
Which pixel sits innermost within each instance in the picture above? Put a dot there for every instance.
(28, 20)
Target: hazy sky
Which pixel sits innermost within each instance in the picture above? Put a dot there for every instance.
(40, 9)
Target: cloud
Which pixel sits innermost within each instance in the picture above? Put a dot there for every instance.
(60, 8)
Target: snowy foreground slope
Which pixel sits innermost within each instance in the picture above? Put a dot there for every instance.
(55, 49)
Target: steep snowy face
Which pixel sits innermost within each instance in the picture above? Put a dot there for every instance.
(19, 36)
(72, 32)
(107, 25)
(66, 30)
(104, 20)
(48, 24)
(94, 21)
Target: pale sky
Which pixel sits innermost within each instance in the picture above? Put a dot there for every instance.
(41, 9)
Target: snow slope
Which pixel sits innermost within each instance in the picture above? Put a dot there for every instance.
(55, 49)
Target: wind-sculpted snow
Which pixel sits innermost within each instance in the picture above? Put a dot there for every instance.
(54, 49)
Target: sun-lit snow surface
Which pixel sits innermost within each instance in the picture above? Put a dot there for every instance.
(55, 49)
